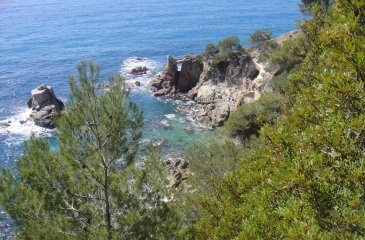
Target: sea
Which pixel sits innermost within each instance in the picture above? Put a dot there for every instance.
(42, 41)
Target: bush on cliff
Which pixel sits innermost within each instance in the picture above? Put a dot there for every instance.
(221, 52)
(261, 39)
(210, 162)
(229, 44)
(306, 6)
(211, 50)
(248, 119)
(306, 179)
(260, 36)
(290, 54)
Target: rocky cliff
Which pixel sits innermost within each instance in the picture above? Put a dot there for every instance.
(217, 88)
(173, 79)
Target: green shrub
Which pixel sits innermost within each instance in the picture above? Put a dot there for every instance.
(250, 118)
(209, 162)
(211, 50)
(290, 54)
(229, 44)
(260, 36)
(306, 179)
(266, 49)
(224, 50)
(220, 60)
(282, 80)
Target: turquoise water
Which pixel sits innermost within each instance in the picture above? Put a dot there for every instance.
(42, 41)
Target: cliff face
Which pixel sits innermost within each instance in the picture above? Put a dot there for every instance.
(221, 87)
(171, 80)
(217, 88)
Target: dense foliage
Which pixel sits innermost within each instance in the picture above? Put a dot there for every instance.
(306, 179)
(307, 5)
(250, 118)
(291, 53)
(260, 36)
(90, 188)
(223, 50)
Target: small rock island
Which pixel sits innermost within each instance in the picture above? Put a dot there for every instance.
(45, 106)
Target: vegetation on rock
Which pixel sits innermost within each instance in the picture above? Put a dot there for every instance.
(224, 50)
(248, 119)
(306, 6)
(260, 36)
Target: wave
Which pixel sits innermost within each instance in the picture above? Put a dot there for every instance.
(134, 62)
(19, 127)
(170, 116)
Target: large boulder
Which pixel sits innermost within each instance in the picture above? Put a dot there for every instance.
(45, 105)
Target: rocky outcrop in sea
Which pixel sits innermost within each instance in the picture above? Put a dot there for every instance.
(45, 106)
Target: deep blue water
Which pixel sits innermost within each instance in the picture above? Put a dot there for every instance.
(42, 41)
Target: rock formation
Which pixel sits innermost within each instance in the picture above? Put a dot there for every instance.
(140, 70)
(219, 87)
(177, 171)
(45, 105)
(216, 88)
(172, 81)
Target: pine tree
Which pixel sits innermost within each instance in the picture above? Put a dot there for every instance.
(90, 188)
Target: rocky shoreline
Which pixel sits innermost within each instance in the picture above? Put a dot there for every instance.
(217, 89)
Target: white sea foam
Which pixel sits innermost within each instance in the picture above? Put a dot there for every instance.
(131, 63)
(170, 116)
(20, 127)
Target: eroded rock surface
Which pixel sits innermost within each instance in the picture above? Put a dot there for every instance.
(171, 80)
(217, 89)
(45, 106)
(177, 171)
(138, 71)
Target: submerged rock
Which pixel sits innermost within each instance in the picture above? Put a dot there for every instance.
(45, 105)
(165, 124)
(189, 129)
(140, 70)
(158, 141)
